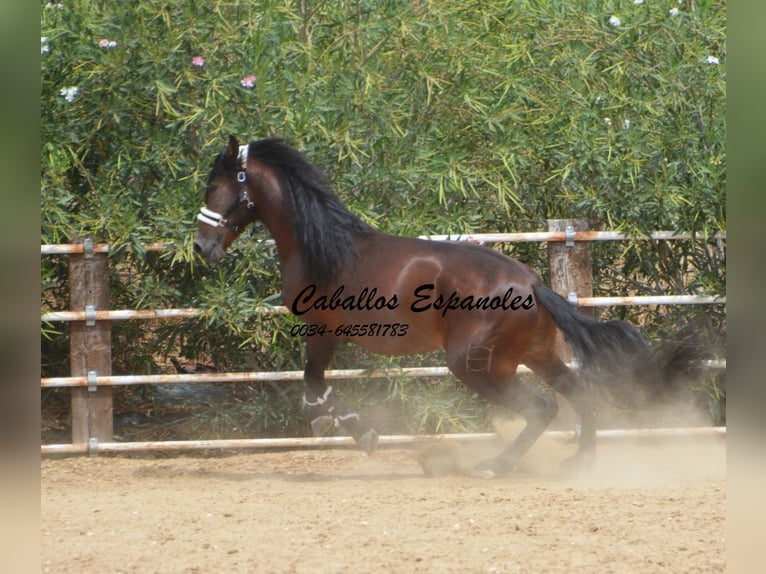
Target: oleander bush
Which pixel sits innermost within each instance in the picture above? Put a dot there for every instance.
(428, 117)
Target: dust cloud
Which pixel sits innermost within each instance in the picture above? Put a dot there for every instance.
(619, 462)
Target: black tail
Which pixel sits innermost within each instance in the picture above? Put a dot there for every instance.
(614, 355)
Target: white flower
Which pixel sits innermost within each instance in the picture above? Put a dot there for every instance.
(51, 5)
(105, 43)
(69, 93)
(625, 123)
(673, 12)
(44, 47)
(614, 20)
(637, 2)
(608, 121)
(713, 60)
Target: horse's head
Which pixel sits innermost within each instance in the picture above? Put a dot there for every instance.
(228, 205)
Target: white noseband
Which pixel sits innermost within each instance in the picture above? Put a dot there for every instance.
(210, 217)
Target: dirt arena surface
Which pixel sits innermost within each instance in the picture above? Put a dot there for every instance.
(645, 507)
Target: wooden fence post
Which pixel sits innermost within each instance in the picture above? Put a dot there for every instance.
(90, 346)
(571, 267)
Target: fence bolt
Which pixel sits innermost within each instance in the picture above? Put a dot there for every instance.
(574, 364)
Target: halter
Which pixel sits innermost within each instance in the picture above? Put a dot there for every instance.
(214, 219)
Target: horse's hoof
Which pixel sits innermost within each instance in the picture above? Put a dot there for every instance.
(368, 442)
(485, 474)
(322, 424)
(492, 468)
(488, 469)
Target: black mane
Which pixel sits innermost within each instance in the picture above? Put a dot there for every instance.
(324, 228)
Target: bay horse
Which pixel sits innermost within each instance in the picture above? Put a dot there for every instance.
(397, 295)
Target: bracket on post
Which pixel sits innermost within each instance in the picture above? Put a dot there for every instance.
(88, 248)
(569, 236)
(572, 298)
(93, 446)
(92, 381)
(90, 315)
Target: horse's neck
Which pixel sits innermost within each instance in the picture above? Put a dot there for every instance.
(278, 219)
(284, 237)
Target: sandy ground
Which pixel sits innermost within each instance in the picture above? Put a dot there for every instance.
(645, 507)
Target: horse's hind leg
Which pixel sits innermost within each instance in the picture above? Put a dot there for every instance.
(497, 382)
(577, 392)
(536, 403)
(325, 408)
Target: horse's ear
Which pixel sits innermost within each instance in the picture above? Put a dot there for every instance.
(233, 148)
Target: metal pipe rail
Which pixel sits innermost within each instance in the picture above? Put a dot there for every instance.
(267, 376)
(188, 313)
(95, 447)
(243, 377)
(649, 300)
(545, 236)
(519, 237)
(74, 248)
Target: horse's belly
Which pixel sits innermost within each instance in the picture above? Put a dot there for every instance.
(397, 344)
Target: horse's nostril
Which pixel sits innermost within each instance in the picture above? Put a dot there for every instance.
(197, 248)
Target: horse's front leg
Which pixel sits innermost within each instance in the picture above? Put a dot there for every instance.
(319, 397)
(325, 408)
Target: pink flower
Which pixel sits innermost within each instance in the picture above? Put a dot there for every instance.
(248, 81)
(198, 61)
(104, 43)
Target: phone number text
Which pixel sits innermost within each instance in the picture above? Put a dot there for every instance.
(356, 330)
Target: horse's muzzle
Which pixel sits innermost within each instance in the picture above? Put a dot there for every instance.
(209, 249)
